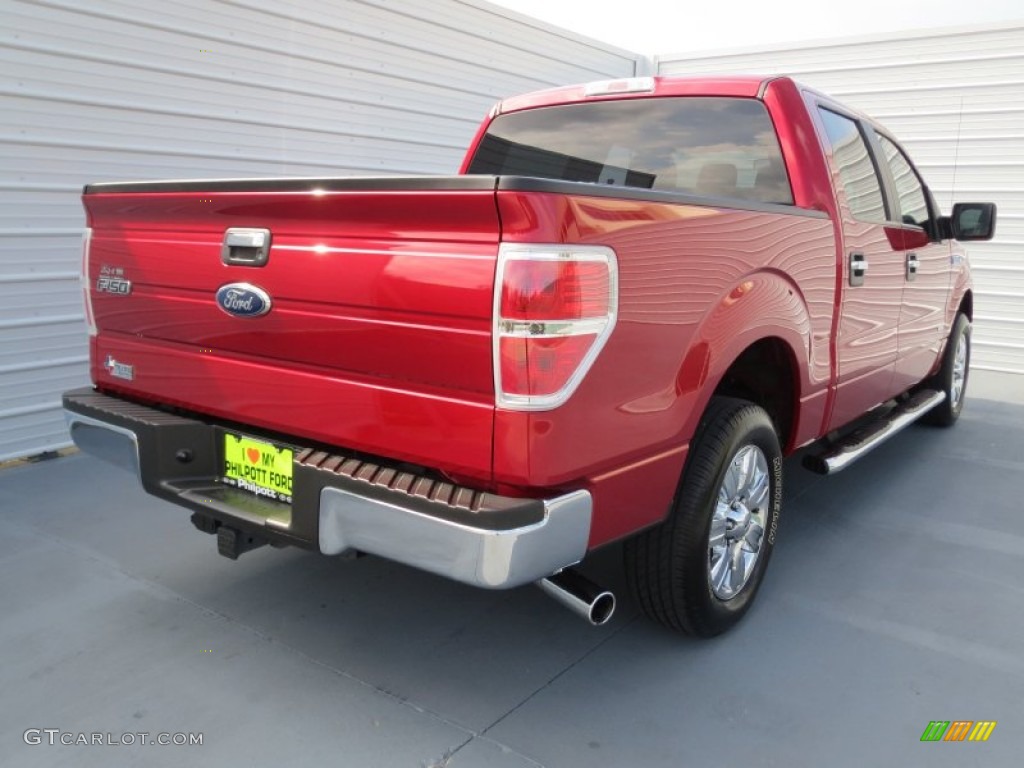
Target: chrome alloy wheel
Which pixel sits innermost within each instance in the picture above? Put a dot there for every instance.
(959, 370)
(738, 522)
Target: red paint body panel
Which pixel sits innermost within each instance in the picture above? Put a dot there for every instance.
(307, 403)
(380, 339)
(697, 286)
(923, 320)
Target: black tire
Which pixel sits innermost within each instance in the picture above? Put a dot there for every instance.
(669, 566)
(946, 413)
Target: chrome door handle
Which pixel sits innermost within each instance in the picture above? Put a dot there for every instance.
(912, 265)
(858, 268)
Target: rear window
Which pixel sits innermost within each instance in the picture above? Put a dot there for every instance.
(718, 147)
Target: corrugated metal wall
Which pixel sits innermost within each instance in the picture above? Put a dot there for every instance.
(955, 99)
(118, 89)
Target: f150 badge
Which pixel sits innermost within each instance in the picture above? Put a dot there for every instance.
(112, 280)
(243, 300)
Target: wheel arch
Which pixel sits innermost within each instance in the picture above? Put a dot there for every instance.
(967, 304)
(767, 373)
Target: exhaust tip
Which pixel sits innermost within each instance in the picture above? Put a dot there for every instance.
(580, 595)
(602, 609)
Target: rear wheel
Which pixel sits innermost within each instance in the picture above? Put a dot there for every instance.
(952, 376)
(699, 570)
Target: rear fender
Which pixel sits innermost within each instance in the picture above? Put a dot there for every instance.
(763, 305)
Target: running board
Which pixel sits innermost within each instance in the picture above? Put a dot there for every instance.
(842, 453)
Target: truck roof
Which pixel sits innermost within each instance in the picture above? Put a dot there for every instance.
(742, 86)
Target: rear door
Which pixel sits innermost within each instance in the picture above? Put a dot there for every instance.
(872, 270)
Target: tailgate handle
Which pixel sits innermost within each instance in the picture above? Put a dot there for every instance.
(246, 247)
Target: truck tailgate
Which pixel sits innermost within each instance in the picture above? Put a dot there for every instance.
(378, 334)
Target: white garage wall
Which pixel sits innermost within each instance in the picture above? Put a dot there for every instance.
(955, 99)
(118, 89)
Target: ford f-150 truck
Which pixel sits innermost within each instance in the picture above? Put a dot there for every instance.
(633, 301)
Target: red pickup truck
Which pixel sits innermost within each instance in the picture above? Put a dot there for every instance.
(635, 298)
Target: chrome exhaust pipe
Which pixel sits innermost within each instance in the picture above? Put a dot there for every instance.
(580, 595)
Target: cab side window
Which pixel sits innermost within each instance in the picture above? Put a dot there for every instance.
(913, 204)
(857, 171)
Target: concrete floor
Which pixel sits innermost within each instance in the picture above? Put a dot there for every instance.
(894, 598)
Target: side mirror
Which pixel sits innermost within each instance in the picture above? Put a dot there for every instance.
(973, 221)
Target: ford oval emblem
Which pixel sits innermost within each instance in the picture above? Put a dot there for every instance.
(243, 300)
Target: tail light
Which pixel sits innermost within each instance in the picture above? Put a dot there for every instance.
(554, 308)
(90, 319)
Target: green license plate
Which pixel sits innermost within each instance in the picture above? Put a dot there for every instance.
(259, 467)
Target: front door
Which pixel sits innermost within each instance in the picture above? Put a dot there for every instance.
(922, 327)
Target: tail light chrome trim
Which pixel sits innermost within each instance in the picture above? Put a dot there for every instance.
(90, 318)
(600, 327)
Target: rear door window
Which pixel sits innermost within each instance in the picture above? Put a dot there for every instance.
(857, 171)
(717, 147)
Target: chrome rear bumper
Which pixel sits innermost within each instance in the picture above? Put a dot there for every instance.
(477, 538)
(493, 559)
(115, 445)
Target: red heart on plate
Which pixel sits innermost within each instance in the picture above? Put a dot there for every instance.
(253, 454)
